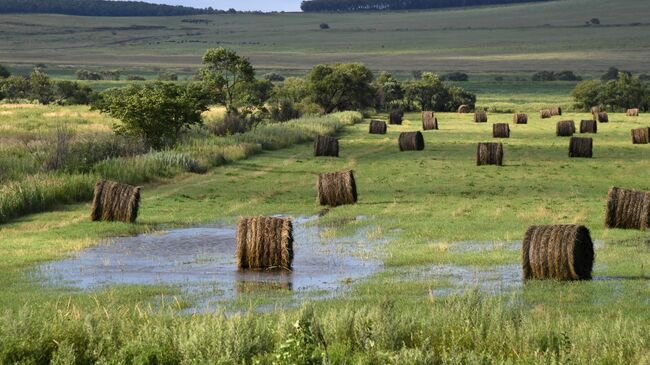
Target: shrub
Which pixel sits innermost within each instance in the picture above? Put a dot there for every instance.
(273, 76)
(88, 75)
(167, 76)
(135, 78)
(623, 93)
(284, 110)
(69, 93)
(324, 26)
(4, 72)
(231, 124)
(455, 76)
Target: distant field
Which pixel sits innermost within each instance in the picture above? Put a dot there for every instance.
(518, 38)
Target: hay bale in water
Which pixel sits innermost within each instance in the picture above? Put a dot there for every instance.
(641, 136)
(377, 127)
(560, 252)
(115, 201)
(396, 117)
(489, 153)
(411, 141)
(501, 130)
(337, 188)
(264, 243)
(520, 118)
(565, 128)
(595, 110)
(326, 146)
(588, 126)
(545, 113)
(556, 111)
(464, 109)
(480, 117)
(581, 147)
(632, 112)
(628, 209)
(429, 121)
(601, 117)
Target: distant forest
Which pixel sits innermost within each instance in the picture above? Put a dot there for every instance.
(378, 5)
(98, 8)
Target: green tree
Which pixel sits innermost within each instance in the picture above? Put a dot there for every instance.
(4, 72)
(41, 87)
(70, 92)
(429, 92)
(15, 87)
(341, 86)
(389, 90)
(224, 73)
(156, 112)
(586, 93)
(295, 89)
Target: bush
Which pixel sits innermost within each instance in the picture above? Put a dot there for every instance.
(168, 76)
(341, 86)
(69, 93)
(88, 75)
(623, 93)
(284, 110)
(135, 78)
(4, 72)
(455, 76)
(324, 26)
(273, 76)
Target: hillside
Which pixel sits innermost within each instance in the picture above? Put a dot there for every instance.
(96, 8)
(525, 37)
(384, 5)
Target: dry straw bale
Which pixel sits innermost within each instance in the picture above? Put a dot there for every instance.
(264, 243)
(581, 147)
(560, 252)
(489, 153)
(520, 118)
(501, 130)
(396, 117)
(565, 128)
(337, 188)
(115, 201)
(545, 113)
(463, 109)
(377, 127)
(411, 141)
(480, 117)
(595, 110)
(429, 121)
(556, 111)
(601, 117)
(641, 136)
(588, 126)
(627, 209)
(326, 146)
(632, 112)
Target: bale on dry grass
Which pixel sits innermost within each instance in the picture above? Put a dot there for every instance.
(601, 117)
(396, 117)
(556, 111)
(501, 130)
(489, 153)
(115, 201)
(429, 121)
(264, 243)
(565, 128)
(595, 110)
(588, 126)
(480, 117)
(377, 127)
(411, 141)
(632, 112)
(627, 208)
(560, 252)
(326, 146)
(337, 188)
(581, 147)
(641, 136)
(545, 113)
(463, 109)
(520, 118)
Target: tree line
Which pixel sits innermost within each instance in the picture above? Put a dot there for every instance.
(99, 8)
(379, 5)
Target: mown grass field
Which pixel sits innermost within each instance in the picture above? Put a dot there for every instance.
(528, 37)
(424, 203)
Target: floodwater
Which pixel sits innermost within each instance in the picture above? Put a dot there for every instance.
(201, 261)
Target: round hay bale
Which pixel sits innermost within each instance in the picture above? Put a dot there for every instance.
(641, 135)
(489, 153)
(565, 128)
(632, 112)
(555, 111)
(601, 117)
(429, 121)
(464, 109)
(501, 130)
(581, 147)
(377, 127)
(480, 117)
(560, 252)
(545, 113)
(264, 243)
(411, 141)
(396, 117)
(326, 146)
(520, 118)
(595, 110)
(627, 209)
(588, 126)
(113, 201)
(337, 188)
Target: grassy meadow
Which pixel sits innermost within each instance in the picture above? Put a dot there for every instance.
(426, 205)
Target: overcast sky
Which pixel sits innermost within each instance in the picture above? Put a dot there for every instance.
(263, 5)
